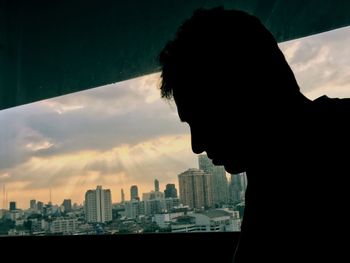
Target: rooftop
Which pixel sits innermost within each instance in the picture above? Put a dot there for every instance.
(216, 213)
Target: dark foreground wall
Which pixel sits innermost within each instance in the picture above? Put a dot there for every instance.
(194, 247)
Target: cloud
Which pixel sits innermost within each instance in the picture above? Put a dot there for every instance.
(98, 119)
(321, 63)
(40, 146)
(162, 158)
(19, 141)
(117, 135)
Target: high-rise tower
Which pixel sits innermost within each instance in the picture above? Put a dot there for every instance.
(98, 205)
(219, 180)
(195, 188)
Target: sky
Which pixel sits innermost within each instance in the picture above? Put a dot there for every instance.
(124, 133)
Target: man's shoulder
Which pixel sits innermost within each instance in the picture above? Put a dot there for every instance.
(332, 109)
(332, 103)
(331, 121)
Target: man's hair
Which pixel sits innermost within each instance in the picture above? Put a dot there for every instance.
(221, 44)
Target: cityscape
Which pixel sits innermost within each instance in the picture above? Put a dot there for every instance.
(207, 201)
(105, 153)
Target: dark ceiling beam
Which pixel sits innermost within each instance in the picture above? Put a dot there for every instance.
(52, 48)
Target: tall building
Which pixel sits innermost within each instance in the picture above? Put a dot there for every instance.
(134, 208)
(219, 180)
(154, 206)
(236, 180)
(156, 185)
(244, 181)
(170, 191)
(39, 205)
(237, 187)
(98, 205)
(13, 206)
(195, 188)
(122, 195)
(67, 204)
(134, 193)
(32, 204)
(171, 203)
(153, 195)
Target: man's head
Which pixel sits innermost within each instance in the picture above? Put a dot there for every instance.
(227, 76)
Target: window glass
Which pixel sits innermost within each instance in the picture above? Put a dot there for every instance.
(116, 159)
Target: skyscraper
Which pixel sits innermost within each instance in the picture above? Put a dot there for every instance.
(67, 204)
(134, 193)
(122, 195)
(219, 180)
(134, 208)
(32, 204)
(98, 205)
(156, 185)
(40, 205)
(152, 195)
(244, 181)
(195, 188)
(237, 187)
(13, 206)
(170, 191)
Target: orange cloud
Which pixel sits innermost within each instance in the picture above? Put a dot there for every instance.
(70, 175)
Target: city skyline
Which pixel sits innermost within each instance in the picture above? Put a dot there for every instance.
(59, 203)
(154, 213)
(134, 188)
(124, 134)
(63, 144)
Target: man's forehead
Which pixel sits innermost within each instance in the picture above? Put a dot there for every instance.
(188, 108)
(184, 111)
(196, 110)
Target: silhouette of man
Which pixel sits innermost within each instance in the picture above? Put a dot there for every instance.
(233, 86)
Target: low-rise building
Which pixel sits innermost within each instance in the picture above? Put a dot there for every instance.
(163, 220)
(214, 220)
(63, 226)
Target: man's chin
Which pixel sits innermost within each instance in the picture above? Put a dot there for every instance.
(235, 169)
